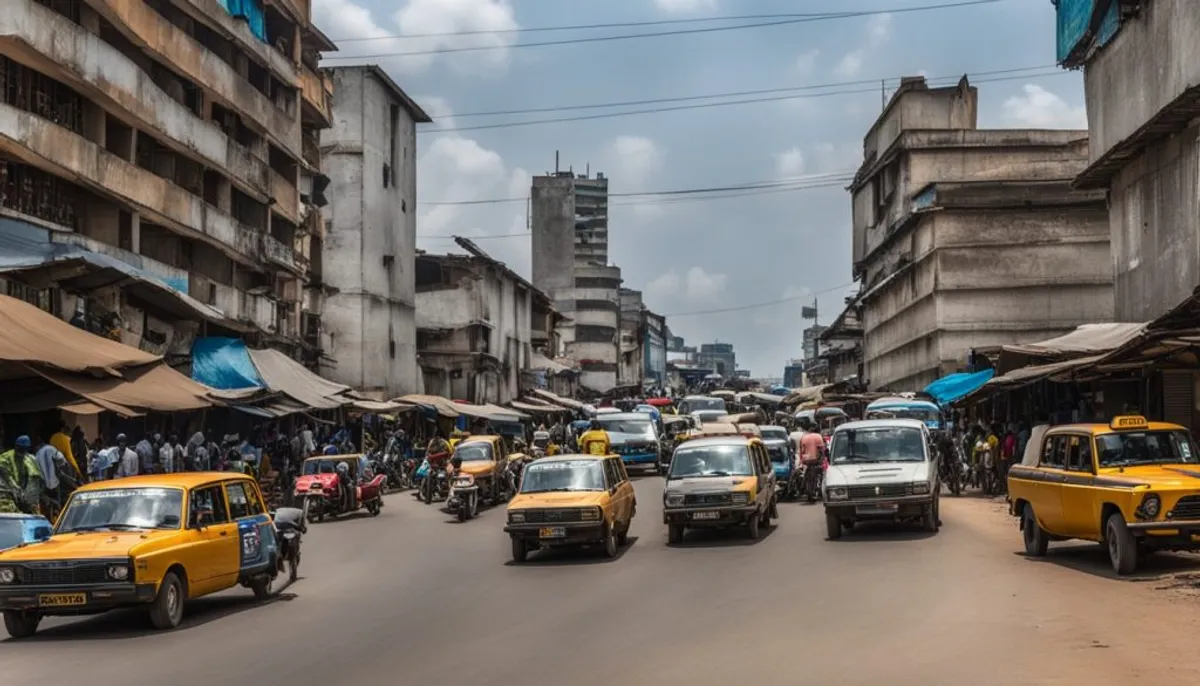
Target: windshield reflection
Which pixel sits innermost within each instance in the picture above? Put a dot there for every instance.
(123, 508)
(890, 444)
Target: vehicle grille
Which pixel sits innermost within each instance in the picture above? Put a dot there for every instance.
(553, 516)
(1188, 507)
(708, 499)
(59, 573)
(884, 491)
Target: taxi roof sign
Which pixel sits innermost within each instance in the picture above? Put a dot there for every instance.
(1131, 421)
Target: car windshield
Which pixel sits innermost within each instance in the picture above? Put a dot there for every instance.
(1146, 447)
(118, 509)
(711, 460)
(924, 414)
(694, 404)
(639, 427)
(778, 452)
(774, 433)
(474, 452)
(564, 475)
(884, 444)
(12, 533)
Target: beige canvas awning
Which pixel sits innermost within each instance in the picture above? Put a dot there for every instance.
(30, 336)
(284, 375)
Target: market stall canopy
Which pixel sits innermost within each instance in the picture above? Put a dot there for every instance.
(503, 414)
(224, 364)
(284, 375)
(1085, 340)
(950, 388)
(805, 394)
(537, 409)
(29, 335)
(1019, 378)
(557, 399)
(762, 398)
(380, 407)
(443, 406)
(154, 387)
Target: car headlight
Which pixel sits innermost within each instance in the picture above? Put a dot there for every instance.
(741, 498)
(8, 575)
(920, 487)
(590, 514)
(464, 480)
(673, 499)
(516, 517)
(1151, 505)
(838, 493)
(118, 572)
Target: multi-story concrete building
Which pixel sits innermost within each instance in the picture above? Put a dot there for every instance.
(631, 366)
(1142, 80)
(370, 155)
(591, 336)
(719, 357)
(656, 337)
(157, 164)
(965, 237)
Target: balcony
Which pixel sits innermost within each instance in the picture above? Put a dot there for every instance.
(287, 197)
(42, 143)
(278, 253)
(168, 44)
(317, 92)
(213, 13)
(32, 34)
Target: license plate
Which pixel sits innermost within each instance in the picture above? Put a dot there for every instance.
(62, 599)
(880, 508)
(552, 532)
(706, 515)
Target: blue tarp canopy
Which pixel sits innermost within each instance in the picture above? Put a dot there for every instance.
(950, 388)
(224, 363)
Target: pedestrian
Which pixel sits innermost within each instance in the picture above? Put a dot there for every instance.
(145, 452)
(166, 454)
(62, 441)
(126, 459)
(23, 477)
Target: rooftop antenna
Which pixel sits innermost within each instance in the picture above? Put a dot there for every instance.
(883, 94)
(587, 173)
(555, 161)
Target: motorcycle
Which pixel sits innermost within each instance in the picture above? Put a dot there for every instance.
(950, 467)
(289, 524)
(332, 494)
(512, 473)
(463, 499)
(435, 485)
(813, 478)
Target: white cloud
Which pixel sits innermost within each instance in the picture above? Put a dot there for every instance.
(633, 161)
(807, 61)
(692, 286)
(850, 65)
(685, 6)
(343, 19)
(879, 29)
(438, 108)
(832, 158)
(789, 162)
(1040, 109)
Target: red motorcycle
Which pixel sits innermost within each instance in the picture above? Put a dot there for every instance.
(324, 488)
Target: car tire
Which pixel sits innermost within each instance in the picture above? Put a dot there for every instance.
(752, 531)
(623, 535)
(21, 624)
(520, 551)
(166, 612)
(774, 508)
(1036, 540)
(261, 588)
(675, 533)
(610, 542)
(833, 526)
(1122, 548)
(929, 519)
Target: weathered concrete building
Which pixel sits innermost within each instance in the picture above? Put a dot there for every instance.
(474, 319)
(842, 346)
(965, 237)
(370, 156)
(158, 165)
(656, 335)
(631, 366)
(719, 357)
(1141, 68)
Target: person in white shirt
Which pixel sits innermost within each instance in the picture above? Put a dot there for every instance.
(166, 456)
(127, 460)
(1034, 447)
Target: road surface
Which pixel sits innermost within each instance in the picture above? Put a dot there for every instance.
(412, 597)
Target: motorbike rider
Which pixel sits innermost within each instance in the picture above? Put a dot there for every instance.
(345, 486)
(595, 440)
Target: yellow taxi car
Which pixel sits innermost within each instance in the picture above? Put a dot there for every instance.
(155, 541)
(484, 458)
(1132, 485)
(571, 500)
(719, 480)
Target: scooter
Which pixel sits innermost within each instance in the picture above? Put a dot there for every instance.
(464, 497)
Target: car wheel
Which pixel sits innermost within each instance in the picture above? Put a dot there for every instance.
(21, 624)
(1122, 548)
(623, 536)
(610, 542)
(929, 518)
(752, 526)
(833, 526)
(520, 551)
(675, 533)
(1036, 541)
(261, 588)
(774, 508)
(166, 612)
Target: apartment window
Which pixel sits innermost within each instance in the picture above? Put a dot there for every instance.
(392, 349)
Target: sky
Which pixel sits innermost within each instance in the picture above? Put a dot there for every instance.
(690, 254)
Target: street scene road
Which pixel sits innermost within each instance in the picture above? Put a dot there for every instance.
(414, 596)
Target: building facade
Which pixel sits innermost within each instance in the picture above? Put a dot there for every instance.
(162, 150)
(1142, 80)
(474, 319)
(370, 156)
(632, 365)
(965, 237)
(655, 345)
(719, 357)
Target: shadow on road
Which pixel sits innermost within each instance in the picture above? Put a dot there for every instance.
(133, 623)
(883, 532)
(1092, 558)
(571, 557)
(722, 538)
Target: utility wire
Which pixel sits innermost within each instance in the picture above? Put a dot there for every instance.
(753, 306)
(705, 105)
(660, 34)
(875, 83)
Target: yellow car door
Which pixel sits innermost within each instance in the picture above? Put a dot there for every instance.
(214, 546)
(254, 533)
(1080, 514)
(1047, 495)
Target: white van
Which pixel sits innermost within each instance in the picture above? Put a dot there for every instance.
(880, 470)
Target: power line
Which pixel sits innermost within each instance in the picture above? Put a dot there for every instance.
(660, 34)
(740, 308)
(706, 105)
(875, 83)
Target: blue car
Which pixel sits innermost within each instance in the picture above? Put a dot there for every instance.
(785, 468)
(21, 529)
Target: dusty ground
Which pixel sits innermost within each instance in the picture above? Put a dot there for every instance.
(411, 597)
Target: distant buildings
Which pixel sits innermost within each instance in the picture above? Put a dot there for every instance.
(718, 357)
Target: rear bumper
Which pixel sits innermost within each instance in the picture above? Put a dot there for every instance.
(575, 533)
(99, 597)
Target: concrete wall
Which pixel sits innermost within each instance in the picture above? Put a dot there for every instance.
(553, 240)
(370, 239)
(910, 109)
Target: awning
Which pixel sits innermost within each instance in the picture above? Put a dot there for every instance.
(29, 335)
(1087, 339)
(82, 407)
(950, 388)
(224, 363)
(805, 394)
(1019, 378)
(443, 406)
(529, 407)
(557, 399)
(378, 407)
(154, 387)
(539, 362)
(506, 414)
(284, 375)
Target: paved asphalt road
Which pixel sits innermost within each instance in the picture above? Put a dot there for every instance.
(412, 597)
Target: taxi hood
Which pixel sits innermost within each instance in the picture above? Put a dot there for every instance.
(557, 499)
(706, 484)
(478, 467)
(866, 473)
(87, 545)
(1175, 476)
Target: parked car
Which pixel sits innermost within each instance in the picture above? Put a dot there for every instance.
(22, 529)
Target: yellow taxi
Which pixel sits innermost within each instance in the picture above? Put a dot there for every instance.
(1132, 485)
(571, 500)
(484, 458)
(155, 541)
(719, 480)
